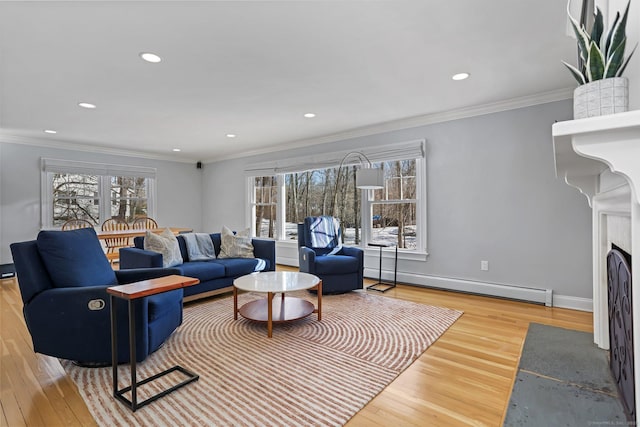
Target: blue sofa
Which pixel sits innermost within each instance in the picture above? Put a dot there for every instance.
(216, 276)
(63, 277)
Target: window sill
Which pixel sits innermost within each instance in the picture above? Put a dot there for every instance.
(373, 252)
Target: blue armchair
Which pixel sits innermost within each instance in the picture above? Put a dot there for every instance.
(63, 277)
(320, 253)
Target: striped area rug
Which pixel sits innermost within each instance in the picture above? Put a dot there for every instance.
(309, 373)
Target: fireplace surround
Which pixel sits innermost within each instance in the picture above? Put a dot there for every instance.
(600, 157)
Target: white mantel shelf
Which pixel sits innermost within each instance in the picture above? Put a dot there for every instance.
(586, 147)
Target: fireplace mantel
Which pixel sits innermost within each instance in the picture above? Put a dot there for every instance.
(585, 148)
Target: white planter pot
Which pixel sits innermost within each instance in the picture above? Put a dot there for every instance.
(607, 96)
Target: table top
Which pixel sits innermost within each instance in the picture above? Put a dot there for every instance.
(381, 245)
(276, 281)
(139, 232)
(152, 286)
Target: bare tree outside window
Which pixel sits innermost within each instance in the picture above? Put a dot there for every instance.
(325, 192)
(265, 201)
(128, 197)
(394, 206)
(75, 197)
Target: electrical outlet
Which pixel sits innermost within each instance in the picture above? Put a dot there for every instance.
(484, 265)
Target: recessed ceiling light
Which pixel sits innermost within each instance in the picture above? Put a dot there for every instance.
(50, 131)
(460, 76)
(86, 105)
(176, 149)
(309, 115)
(150, 57)
(231, 135)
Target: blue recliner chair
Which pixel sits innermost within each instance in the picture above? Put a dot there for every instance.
(321, 253)
(63, 277)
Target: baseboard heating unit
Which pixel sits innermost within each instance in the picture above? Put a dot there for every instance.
(534, 295)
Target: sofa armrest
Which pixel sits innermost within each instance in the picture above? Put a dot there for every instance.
(139, 258)
(307, 260)
(354, 252)
(75, 323)
(265, 249)
(138, 274)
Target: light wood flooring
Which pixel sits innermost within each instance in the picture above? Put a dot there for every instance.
(463, 379)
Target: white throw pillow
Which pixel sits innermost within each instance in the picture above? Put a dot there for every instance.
(166, 244)
(235, 245)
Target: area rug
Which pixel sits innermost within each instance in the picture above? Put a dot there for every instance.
(309, 373)
(563, 380)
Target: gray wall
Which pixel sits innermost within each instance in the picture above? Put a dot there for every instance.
(179, 190)
(492, 195)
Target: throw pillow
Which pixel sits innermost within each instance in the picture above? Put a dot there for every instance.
(75, 258)
(235, 245)
(166, 244)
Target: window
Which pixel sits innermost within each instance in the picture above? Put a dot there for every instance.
(323, 192)
(94, 192)
(394, 207)
(129, 197)
(264, 205)
(395, 214)
(75, 197)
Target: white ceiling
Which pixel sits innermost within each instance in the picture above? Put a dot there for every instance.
(254, 68)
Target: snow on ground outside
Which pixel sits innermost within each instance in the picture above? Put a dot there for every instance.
(388, 235)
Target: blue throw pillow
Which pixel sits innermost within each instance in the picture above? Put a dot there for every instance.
(75, 258)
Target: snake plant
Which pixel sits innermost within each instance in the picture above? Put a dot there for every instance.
(602, 57)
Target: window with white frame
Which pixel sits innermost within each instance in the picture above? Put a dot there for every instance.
(264, 205)
(395, 214)
(95, 192)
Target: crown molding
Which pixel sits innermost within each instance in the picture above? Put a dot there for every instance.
(66, 145)
(406, 123)
(411, 122)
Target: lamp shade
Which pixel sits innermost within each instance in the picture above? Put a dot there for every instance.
(370, 179)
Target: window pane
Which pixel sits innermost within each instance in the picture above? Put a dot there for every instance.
(395, 223)
(322, 192)
(266, 191)
(128, 197)
(72, 185)
(399, 181)
(75, 197)
(65, 209)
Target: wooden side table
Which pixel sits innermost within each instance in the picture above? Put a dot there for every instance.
(381, 286)
(131, 292)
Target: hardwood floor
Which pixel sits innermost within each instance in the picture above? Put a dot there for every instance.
(464, 378)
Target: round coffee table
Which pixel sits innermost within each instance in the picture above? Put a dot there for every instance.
(275, 310)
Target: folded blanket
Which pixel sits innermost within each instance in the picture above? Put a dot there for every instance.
(199, 246)
(324, 233)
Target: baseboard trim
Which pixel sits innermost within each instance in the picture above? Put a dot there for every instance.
(535, 295)
(574, 303)
(7, 271)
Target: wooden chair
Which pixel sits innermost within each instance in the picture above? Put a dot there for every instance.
(144, 222)
(114, 244)
(74, 224)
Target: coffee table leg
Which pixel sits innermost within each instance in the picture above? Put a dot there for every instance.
(320, 300)
(269, 314)
(235, 303)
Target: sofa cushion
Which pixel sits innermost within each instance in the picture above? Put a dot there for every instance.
(336, 264)
(75, 258)
(166, 244)
(235, 267)
(235, 245)
(203, 270)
